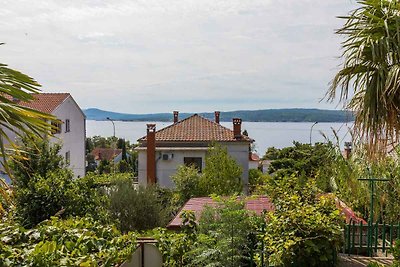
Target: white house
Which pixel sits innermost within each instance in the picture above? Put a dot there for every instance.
(186, 142)
(72, 130)
(254, 161)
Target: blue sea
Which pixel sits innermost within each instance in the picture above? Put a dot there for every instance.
(265, 134)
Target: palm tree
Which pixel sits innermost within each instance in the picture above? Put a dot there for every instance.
(369, 81)
(15, 88)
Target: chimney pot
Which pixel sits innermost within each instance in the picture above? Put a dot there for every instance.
(176, 116)
(151, 153)
(217, 114)
(237, 128)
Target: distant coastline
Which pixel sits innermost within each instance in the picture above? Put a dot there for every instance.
(266, 115)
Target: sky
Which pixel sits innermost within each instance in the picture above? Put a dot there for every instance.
(147, 56)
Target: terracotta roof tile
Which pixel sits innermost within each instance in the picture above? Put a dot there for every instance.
(45, 102)
(196, 128)
(105, 153)
(258, 205)
(254, 157)
(197, 205)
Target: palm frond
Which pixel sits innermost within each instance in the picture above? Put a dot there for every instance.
(369, 81)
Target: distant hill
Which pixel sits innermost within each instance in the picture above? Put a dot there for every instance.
(266, 115)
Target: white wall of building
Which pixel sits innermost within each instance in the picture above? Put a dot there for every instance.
(166, 168)
(74, 140)
(253, 164)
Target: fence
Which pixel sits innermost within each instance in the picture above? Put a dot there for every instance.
(369, 239)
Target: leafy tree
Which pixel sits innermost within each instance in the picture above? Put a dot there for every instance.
(220, 239)
(123, 147)
(255, 179)
(306, 161)
(304, 229)
(187, 182)
(368, 82)
(44, 187)
(16, 87)
(229, 226)
(37, 157)
(135, 209)
(91, 167)
(221, 175)
(105, 166)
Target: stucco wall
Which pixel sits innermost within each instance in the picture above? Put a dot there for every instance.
(164, 169)
(73, 141)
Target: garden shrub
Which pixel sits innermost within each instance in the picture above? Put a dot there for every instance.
(72, 242)
(221, 175)
(303, 230)
(186, 180)
(135, 208)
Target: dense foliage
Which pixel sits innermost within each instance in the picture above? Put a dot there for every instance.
(221, 174)
(187, 183)
(135, 208)
(72, 242)
(17, 120)
(44, 187)
(127, 164)
(222, 237)
(305, 161)
(304, 229)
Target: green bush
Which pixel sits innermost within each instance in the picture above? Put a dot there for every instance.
(221, 175)
(255, 179)
(44, 187)
(135, 208)
(220, 239)
(72, 242)
(58, 193)
(186, 180)
(228, 227)
(396, 253)
(303, 230)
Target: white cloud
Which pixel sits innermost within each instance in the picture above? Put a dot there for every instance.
(127, 55)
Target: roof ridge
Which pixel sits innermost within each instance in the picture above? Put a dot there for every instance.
(218, 131)
(50, 93)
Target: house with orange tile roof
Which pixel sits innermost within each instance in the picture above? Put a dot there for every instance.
(71, 131)
(186, 141)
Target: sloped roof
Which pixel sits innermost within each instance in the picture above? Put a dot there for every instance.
(45, 102)
(254, 157)
(196, 128)
(105, 153)
(257, 205)
(197, 205)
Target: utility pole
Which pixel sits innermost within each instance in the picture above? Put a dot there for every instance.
(108, 118)
(311, 131)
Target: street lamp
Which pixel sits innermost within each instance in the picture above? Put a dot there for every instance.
(312, 129)
(108, 118)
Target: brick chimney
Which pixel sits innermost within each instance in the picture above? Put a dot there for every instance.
(151, 154)
(176, 116)
(237, 128)
(217, 113)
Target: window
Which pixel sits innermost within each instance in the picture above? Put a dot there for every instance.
(67, 157)
(56, 127)
(67, 126)
(193, 161)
